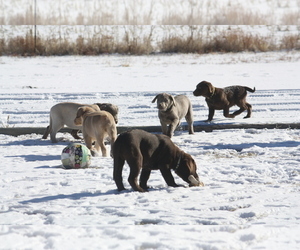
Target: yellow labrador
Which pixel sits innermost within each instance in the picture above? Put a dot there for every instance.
(96, 126)
(63, 114)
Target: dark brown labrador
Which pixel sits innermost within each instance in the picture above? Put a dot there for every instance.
(145, 152)
(223, 99)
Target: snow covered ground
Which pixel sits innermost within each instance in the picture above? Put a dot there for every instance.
(251, 194)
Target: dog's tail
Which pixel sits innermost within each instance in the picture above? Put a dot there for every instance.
(46, 133)
(48, 129)
(250, 90)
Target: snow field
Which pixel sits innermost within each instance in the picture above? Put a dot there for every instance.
(251, 195)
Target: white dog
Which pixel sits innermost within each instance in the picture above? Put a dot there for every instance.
(64, 114)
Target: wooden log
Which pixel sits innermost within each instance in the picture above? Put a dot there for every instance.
(16, 131)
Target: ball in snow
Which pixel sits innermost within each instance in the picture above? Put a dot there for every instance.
(76, 155)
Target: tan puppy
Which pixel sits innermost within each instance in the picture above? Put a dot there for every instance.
(96, 126)
(63, 114)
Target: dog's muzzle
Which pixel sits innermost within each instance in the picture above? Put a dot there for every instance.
(195, 182)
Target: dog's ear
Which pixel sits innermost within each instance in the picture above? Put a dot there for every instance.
(154, 100)
(80, 111)
(210, 87)
(172, 100)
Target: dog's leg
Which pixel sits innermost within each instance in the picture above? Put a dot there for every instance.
(118, 168)
(145, 174)
(135, 165)
(166, 173)
(241, 110)
(172, 127)
(164, 128)
(46, 133)
(55, 127)
(96, 146)
(226, 113)
(75, 135)
(211, 113)
(189, 120)
(100, 141)
(89, 143)
(113, 137)
(249, 110)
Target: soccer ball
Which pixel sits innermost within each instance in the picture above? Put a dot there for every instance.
(76, 155)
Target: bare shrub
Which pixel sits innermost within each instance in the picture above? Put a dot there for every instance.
(237, 41)
(26, 17)
(135, 41)
(292, 18)
(21, 45)
(175, 43)
(2, 46)
(148, 12)
(238, 15)
(141, 40)
(290, 42)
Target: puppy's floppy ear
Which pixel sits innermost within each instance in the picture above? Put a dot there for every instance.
(210, 87)
(154, 100)
(172, 100)
(80, 111)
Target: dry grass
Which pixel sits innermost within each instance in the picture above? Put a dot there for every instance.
(149, 12)
(238, 41)
(290, 42)
(141, 40)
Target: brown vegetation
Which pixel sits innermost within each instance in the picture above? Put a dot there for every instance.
(150, 12)
(139, 40)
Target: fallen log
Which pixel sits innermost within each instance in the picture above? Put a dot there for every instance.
(16, 131)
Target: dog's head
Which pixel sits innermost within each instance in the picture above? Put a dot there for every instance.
(82, 112)
(205, 89)
(164, 101)
(187, 170)
(111, 108)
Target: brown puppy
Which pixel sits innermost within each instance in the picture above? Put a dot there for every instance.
(145, 151)
(223, 99)
(96, 125)
(171, 110)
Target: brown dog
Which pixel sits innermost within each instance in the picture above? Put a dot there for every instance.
(223, 99)
(145, 151)
(96, 125)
